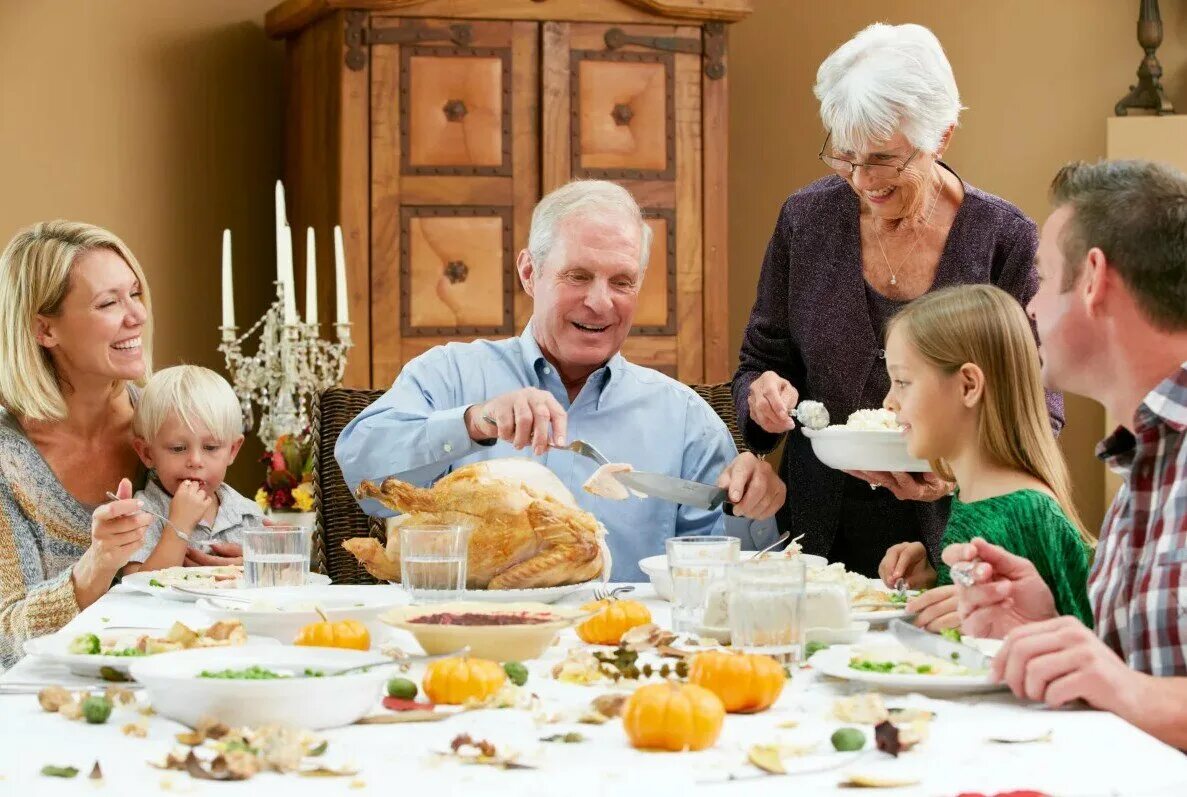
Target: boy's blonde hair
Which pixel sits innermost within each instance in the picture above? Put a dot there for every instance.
(197, 395)
(35, 271)
(985, 326)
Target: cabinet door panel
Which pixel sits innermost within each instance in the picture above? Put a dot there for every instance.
(631, 113)
(622, 122)
(449, 174)
(455, 271)
(455, 114)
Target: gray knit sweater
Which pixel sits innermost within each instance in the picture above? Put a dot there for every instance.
(43, 532)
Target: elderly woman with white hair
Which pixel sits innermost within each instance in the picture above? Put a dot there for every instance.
(891, 223)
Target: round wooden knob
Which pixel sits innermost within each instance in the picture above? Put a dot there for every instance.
(622, 114)
(455, 110)
(456, 271)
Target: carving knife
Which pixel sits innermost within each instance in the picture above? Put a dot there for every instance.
(678, 491)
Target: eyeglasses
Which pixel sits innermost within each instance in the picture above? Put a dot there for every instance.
(846, 168)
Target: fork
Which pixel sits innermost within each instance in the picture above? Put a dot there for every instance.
(586, 450)
(404, 662)
(601, 592)
(214, 596)
(167, 522)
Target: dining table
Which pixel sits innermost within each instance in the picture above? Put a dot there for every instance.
(1060, 752)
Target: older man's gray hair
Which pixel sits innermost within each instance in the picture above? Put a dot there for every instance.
(584, 198)
(886, 79)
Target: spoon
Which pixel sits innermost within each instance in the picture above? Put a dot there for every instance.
(811, 415)
(389, 662)
(962, 572)
(167, 522)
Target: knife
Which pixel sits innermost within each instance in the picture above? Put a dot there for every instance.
(678, 491)
(936, 645)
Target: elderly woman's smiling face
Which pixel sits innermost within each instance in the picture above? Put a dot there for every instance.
(897, 187)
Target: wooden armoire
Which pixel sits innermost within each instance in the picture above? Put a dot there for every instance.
(429, 128)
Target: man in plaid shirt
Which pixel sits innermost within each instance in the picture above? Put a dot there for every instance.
(1111, 312)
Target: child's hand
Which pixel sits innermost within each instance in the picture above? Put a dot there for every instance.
(907, 560)
(189, 505)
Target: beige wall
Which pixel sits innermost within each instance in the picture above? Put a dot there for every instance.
(159, 119)
(1039, 81)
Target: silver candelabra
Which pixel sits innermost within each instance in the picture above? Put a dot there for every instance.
(291, 365)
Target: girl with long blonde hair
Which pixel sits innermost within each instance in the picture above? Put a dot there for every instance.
(966, 387)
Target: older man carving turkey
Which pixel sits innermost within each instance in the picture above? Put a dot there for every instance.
(562, 379)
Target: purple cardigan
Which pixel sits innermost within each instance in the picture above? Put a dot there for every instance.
(812, 324)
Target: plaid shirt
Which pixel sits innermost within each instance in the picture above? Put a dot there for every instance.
(1138, 583)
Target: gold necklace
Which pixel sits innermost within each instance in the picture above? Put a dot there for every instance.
(918, 235)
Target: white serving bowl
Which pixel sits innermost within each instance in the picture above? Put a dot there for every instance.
(280, 612)
(843, 448)
(656, 568)
(176, 692)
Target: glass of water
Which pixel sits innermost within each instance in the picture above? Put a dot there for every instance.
(766, 607)
(276, 556)
(695, 565)
(433, 561)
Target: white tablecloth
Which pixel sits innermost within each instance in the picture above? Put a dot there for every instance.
(1090, 753)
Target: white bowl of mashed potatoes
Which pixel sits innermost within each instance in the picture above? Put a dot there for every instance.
(869, 440)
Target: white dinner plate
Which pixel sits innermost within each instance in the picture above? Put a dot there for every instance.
(280, 612)
(537, 595)
(141, 583)
(878, 616)
(834, 661)
(56, 648)
(842, 448)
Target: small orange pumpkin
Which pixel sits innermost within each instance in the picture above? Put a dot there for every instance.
(615, 619)
(746, 683)
(672, 716)
(455, 681)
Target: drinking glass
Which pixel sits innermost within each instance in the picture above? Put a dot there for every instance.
(433, 561)
(276, 556)
(695, 565)
(766, 607)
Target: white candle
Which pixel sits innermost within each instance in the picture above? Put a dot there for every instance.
(310, 278)
(340, 275)
(281, 223)
(228, 289)
(290, 289)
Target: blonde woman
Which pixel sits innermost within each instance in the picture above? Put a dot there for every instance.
(75, 336)
(965, 385)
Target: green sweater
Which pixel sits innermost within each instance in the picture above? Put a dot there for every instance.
(1030, 524)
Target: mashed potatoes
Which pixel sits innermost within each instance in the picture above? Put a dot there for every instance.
(870, 420)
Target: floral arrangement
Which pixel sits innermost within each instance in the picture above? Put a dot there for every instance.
(289, 483)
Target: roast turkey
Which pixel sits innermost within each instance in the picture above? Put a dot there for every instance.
(526, 530)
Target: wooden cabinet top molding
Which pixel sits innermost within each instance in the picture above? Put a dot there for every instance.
(292, 16)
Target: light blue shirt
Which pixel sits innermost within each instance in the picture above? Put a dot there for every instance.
(631, 414)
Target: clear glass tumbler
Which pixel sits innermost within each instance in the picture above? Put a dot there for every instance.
(276, 556)
(766, 607)
(433, 561)
(695, 565)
